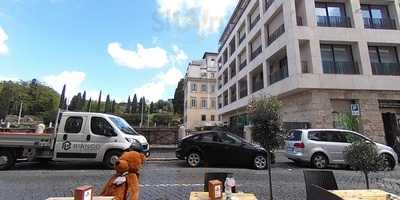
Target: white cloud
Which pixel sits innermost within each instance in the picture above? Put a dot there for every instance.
(141, 58)
(207, 15)
(3, 39)
(179, 54)
(72, 79)
(155, 90)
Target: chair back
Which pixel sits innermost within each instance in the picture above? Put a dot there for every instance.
(323, 179)
(221, 176)
(318, 193)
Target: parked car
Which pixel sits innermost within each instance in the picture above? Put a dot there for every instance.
(322, 147)
(218, 147)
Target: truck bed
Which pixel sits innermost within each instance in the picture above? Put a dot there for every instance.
(12, 139)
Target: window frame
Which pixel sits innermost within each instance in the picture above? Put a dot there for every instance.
(73, 118)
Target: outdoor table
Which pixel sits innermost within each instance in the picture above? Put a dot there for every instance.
(72, 198)
(204, 196)
(364, 195)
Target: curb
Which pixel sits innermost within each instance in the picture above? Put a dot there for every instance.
(162, 159)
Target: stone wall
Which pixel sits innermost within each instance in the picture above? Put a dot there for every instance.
(159, 136)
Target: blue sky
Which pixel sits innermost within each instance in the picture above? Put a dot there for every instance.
(121, 47)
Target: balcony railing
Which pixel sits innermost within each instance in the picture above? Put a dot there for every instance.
(379, 23)
(255, 53)
(278, 75)
(333, 21)
(331, 67)
(392, 69)
(254, 23)
(276, 34)
(242, 65)
(268, 4)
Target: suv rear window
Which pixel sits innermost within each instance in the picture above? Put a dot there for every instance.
(295, 136)
(327, 136)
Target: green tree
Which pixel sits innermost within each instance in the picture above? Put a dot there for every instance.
(62, 104)
(5, 100)
(99, 103)
(363, 156)
(107, 107)
(349, 122)
(89, 105)
(178, 101)
(128, 106)
(113, 106)
(83, 102)
(152, 108)
(75, 103)
(134, 107)
(266, 127)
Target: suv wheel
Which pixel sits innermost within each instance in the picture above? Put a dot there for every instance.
(260, 162)
(319, 161)
(110, 158)
(193, 159)
(7, 160)
(388, 162)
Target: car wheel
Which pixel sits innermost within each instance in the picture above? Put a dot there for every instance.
(388, 162)
(7, 160)
(110, 158)
(260, 162)
(319, 161)
(194, 159)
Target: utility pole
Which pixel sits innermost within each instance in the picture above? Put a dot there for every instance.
(20, 112)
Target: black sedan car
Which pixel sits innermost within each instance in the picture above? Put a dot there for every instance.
(217, 147)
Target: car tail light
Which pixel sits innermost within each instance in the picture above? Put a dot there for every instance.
(299, 145)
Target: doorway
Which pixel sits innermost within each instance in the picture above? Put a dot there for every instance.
(392, 130)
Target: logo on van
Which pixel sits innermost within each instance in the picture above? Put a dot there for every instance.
(66, 145)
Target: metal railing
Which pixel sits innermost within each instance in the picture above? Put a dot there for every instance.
(386, 69)
(333, 21)
(379, 23)
(279, 75)
(276, 34)
(254, 23)
(331, 67)
(255, 53)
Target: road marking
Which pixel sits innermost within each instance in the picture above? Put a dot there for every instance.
(172, 185)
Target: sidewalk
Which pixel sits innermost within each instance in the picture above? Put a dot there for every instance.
(162, 153)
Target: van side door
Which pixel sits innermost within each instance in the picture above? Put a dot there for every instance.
(69, 138)
(100, 134)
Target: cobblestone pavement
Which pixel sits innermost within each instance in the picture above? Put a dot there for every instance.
(173, 180)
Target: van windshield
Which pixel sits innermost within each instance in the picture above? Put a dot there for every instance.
(122, 125)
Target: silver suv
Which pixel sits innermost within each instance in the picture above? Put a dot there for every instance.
(321, 147)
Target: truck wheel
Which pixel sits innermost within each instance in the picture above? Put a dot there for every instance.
(7, 159)
(110, 158)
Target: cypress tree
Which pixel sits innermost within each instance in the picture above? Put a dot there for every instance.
(128, 105)
(107, 107)
(99, 103)
(113, 105)
(89, 105)
(62, 104)
(134, 107)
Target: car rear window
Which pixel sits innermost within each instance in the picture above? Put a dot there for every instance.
(295, 136)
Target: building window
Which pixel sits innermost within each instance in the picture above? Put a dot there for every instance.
(194, 102)
(226, 99)
(212, 117)
(232, 91)
(219, 64)
(203, 118)
(243, 87)
(384, 60)
(226, 78)
(377, 17)
(232, 46)
(278, 71)
(275, 34)
(193, 87)
(242, 60)
(213, 103)
(225, 56)
(257, 80)
(203, 87)
(254, 17)
(241, 33)
(220, 82)
(219, 102)
(256, 47)
(232, 68)
(338, 59)
(204, 104)
(212, 88)
(331, 14)
(212, 75)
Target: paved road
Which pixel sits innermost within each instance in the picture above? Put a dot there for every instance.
(173, 180)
